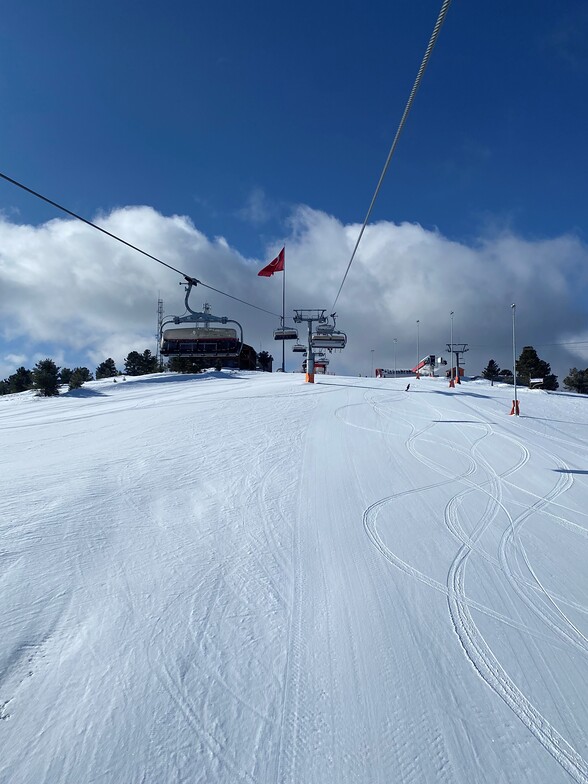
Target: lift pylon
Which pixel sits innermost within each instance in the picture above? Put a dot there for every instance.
(310, 316)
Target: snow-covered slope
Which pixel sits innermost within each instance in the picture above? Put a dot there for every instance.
(245, 578)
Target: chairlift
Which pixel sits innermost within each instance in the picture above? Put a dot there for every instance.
(326, 336)
(286, 333)
(334, 340)
(201, 340)
(325, 329)
(298, 348)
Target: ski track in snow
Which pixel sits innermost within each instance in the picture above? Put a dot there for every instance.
(474, 645)
(233, 619)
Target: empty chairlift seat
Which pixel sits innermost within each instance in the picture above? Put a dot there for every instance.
(330, 340)
(200, 342)
(205, 336)
(286, 333)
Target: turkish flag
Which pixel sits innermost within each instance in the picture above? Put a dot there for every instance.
(277, 265)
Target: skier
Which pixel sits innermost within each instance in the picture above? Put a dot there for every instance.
(407, 387)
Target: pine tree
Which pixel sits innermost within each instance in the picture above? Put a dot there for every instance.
(186, 364)
(529, 366)
(21, 380)
(133, 365)
(140, 364)
(577, 381)
(46, 378)
(78, 377)
(491, 371)
(65, 375)
(106, 369)
(149, 361)
(265, 360)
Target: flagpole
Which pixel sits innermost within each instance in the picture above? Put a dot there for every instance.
(284, 316)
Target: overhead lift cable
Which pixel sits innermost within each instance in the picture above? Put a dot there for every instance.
(413, 92)
(188, 278)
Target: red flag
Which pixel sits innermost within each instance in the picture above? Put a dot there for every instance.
(277, 265)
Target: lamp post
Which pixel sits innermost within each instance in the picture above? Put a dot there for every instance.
(451, 383)
(395, 342)
(373, 362)
(418, 348)
(515, 402)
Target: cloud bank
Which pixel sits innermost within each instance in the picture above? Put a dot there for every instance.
(69, 292)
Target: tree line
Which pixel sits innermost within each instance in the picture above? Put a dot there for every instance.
(46, 377)
(529, 366)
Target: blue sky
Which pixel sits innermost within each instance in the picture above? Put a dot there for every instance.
(238, 116)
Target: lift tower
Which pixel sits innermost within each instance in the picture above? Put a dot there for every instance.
(458, 349)
(158, 335)
(310, 316)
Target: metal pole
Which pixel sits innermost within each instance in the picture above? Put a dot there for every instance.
(418, 349)
(372, 362)
(309, 355)
(451, 370)
(514, 362)
(395, 342)
(284, 319)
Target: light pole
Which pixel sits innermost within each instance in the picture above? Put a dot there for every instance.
(372, 362)
(418, 348)
(515, 402)
(395, 342)
(451, 383)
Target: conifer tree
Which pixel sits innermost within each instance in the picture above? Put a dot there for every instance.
(577, 381)
(133, 364)
(78, 377)
(137, 364)
(65, 375)
(265, 360)
(529, 366)
(491, 371)
(21, 380)
(46, 378)
(149, 362)
(106, 369)
(186, 364)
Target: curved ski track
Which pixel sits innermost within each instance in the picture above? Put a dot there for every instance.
(474, 645)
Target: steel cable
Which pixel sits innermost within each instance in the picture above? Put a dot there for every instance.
(413, 92)
(129, 245)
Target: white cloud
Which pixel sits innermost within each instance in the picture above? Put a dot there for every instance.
(258, 209)
(70, 292)
(15, 359)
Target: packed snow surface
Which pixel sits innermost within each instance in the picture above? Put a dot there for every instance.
(241, 577)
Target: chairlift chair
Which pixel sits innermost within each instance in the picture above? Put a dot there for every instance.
(201, 340)
(325, 329)
(326, 336)
(334, 340)
(285, 333)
